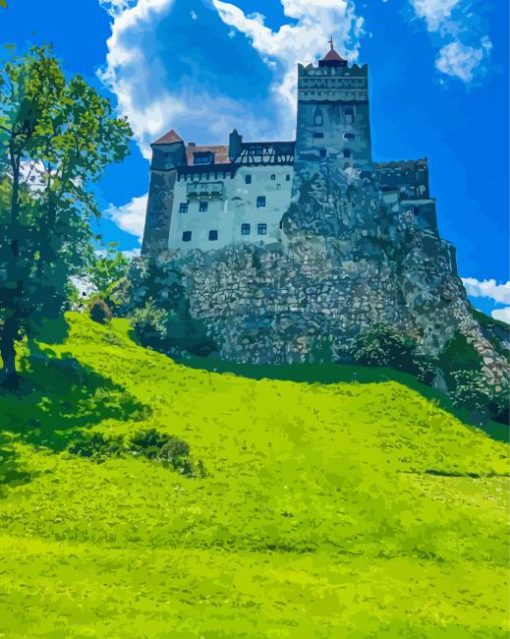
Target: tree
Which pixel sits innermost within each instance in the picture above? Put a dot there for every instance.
(107, 269)
(56, 137)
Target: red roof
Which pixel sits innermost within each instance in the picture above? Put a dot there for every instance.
(169, 138)
(332, 56)
(220, 153)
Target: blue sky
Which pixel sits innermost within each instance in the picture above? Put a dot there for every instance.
(438, 77)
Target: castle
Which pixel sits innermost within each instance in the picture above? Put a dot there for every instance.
(209, 197)
(287, 251)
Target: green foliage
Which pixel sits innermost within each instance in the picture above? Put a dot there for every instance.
(168, 449)
(459, 355)
(469, 391)
(384, 345)
(150, 324)
(56, 137)
(98, 446)
(340, 510)
(100, 311)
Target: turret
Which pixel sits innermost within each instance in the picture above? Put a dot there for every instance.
(168, 154)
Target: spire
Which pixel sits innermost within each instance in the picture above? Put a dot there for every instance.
(169, 138)
(332, 58)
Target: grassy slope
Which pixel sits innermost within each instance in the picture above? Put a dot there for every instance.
(317, 518)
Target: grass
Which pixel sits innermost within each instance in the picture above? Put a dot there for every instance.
(326, 510)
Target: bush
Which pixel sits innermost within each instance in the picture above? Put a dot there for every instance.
(168, 449)
(99, 311)
(97, 446)
(385, 346)
(150, 325)
(469, 391)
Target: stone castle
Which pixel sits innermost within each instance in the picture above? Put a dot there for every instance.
(289, 250)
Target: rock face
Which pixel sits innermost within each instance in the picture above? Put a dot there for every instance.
(354, 256)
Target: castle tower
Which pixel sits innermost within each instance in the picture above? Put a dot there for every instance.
(333, 120)
(168, 154)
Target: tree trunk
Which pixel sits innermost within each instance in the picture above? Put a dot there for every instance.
(9, 376)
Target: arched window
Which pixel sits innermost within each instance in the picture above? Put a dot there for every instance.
(319, 118)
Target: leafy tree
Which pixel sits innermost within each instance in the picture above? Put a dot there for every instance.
(107, 269)
(56, 137)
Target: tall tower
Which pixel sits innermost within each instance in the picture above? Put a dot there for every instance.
(333, 121)
(168, 154)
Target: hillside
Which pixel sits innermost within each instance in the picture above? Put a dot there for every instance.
(325, 511)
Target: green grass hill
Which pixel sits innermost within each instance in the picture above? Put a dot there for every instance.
(332, 511)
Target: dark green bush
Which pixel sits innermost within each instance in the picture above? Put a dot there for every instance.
(99, 311)
(97, 446)
(168, 449)
(384, 345)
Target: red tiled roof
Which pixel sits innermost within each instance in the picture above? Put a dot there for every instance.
(169, 138)
(220, 153)
(332, 56)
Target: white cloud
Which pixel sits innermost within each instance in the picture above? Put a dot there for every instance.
(463, 49)
(502, 314)
(434, 12)
(302, 41)
(131, 216)
(488, 288)
(459, 60)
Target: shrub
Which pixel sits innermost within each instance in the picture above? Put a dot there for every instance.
(459, 355)
(97, 446)
(99, 311)
(168, 449)
(150, 325)
(469, 391)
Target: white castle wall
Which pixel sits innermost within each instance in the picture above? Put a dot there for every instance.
(237, 205)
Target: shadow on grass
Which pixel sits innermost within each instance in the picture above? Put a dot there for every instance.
(330, 373)
(57, 401)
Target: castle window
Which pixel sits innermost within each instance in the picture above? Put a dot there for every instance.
(183, 207)
(261, 201)
(349, 136)
(203, 206)
(247, 179)
(186, 236)
(349, 116)
(318, 119)
(245, 229)
(262, 229)
(213, 235)
(347, 153)
(203, 158)
(323, 153)
(287, 177)
(273, 177)
(318, 136)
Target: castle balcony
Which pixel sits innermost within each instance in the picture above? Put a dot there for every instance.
(204, 189)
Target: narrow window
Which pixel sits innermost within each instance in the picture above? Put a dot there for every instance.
(186, 236)
(203, 206)
(349, 116)
(349, 136)
(347, 153)
(287, 177)
(273, 177)
(323, 153)
(247, 179)
(262, 229)
(318, 136)
(213, 235)
(261, 201)
(318, 119)
(245, 229)
(183, 207)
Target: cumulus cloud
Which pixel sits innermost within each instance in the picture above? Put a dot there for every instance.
(462, 61)
(488, 288)
(502, 314)
(131, 216)
(464, 47)
(302, 40)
